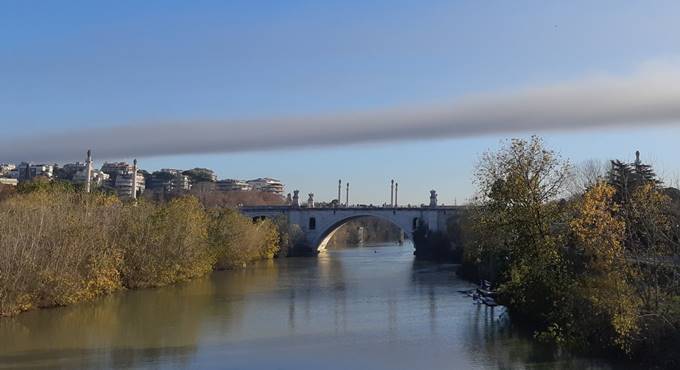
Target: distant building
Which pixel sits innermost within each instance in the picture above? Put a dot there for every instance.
(114, 169)
(73, 167)
(98, 178)
(121, 179)
(171, 171)
(267, 185)
(6, 169)
(233, 185)
(124, 184)
(27, 171)
(8, 181)
(169, 180)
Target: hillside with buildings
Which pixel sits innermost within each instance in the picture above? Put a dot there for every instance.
(129, 181)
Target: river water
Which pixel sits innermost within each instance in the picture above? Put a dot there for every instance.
(361, 308)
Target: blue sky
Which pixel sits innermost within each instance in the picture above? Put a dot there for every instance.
(76, 64)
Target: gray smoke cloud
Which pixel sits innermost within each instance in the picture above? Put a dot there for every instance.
(649, 97)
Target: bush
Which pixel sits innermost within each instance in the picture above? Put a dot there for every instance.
(164, 244)
(54, 250)
(235, 240)
(59, 246)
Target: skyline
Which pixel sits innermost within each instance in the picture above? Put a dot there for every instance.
(121, 64)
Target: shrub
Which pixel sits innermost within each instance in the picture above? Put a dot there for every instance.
(235, 240)
(54, 249)
(163, 244)
(59, 246)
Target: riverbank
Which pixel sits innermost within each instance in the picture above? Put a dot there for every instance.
(594, 272)
(59, 246)
(356, 308)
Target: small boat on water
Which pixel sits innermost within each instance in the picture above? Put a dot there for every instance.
(489, 301)
(482, 295)
(486, 292)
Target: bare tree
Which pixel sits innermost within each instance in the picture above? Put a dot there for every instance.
(586, 174)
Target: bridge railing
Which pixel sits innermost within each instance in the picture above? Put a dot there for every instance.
(354, 207)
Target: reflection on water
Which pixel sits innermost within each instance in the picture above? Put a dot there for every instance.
(371, 307)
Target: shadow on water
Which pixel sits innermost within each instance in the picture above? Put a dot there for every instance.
(121, 330)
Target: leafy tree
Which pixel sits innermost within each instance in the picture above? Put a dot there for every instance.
(61, 173)
(599, 272)
(290, 236)
(604, 285)
(44, 184)
(236, 240)
(164, 244)
(519, 219)
(198, 175)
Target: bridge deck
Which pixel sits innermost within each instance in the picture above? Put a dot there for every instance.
(350, 208)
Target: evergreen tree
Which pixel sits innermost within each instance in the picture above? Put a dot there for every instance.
(620, 176)
(626, 178)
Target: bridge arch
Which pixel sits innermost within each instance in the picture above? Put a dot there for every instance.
(326, 232)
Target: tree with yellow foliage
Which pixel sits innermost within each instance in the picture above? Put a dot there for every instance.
(611, 314)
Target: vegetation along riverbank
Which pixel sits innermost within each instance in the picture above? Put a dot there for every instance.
(59, 246)
(588, 260)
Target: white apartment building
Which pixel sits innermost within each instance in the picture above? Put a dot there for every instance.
(170, 180)
(267, 185)
(74, 167)
(172, 171)
(8, 181)
(124, 184)
(233, 185)
(114, 169)
(6, 169)
(98, 178)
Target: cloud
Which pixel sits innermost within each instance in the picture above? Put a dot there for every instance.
(648, 97)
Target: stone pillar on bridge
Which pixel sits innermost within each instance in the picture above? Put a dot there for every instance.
(347, 196)
(433, 198)
(392, 193)
(339, 192)
(310, 201)
(296, 199)
(396, 194)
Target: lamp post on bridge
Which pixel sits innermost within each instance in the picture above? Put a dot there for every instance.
(392, 193)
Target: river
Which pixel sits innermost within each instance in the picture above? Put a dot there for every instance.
(356, 308)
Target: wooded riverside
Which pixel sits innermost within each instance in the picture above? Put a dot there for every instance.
(597, 271)
(59, 246)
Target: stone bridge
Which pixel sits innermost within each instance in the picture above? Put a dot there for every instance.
(318, 224)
